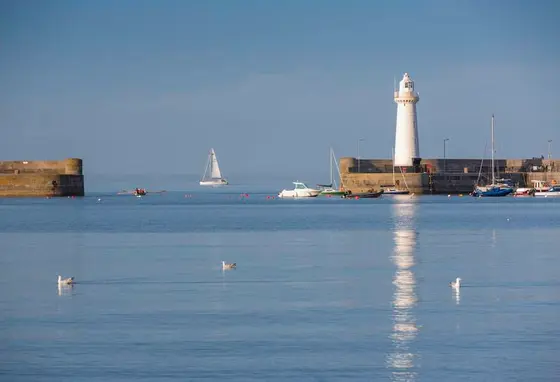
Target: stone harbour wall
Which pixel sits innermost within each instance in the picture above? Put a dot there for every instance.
(41, 178)
(439, 176)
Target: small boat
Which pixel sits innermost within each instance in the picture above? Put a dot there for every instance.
(524, 192)
(491, 191)
(541, 185)
(139, 192)
(328, 190)
(300, 191)
(226, 266)
(67, 281)
(494, 189)
(331, 189)
(363, 195)
(392, 188)
(552, 192)
(213, 169)
(395, 191)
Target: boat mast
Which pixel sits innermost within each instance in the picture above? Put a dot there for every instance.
(493, 176)
(481, 164)
(393, 164)
(337, 170)
(208, 164)
(330, 163)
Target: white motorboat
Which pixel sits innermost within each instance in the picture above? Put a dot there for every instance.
(300, 191)
(552, 192)
(524, 192)
(213, 169)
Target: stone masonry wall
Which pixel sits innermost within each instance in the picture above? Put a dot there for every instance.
(460, 175)
(41, 178)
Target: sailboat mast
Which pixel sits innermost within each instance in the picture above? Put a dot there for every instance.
(208, 161)
(330, 163)
(493, 176)
(393, 163)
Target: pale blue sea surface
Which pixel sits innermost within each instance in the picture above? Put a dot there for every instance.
(325, 289)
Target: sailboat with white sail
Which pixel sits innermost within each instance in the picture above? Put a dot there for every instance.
(492, 189)
(393, 189)
(332, 188)
(213, 170)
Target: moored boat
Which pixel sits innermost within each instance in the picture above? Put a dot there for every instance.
(393, 189)
(363, 195)
(491, 191)
(524, 192)
(495, 189)
(328, 190)
(331, 189)
(541, 185)
(300, 191)
(552, 192)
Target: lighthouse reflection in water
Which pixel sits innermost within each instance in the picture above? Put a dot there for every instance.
(402, 359)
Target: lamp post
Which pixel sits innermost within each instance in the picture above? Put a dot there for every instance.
(549, 156)
(444, 156)
(358, 151)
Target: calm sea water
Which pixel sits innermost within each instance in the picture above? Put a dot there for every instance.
(325, 289)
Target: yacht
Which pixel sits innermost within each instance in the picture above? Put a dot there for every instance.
(331, 189)
(300, 191)
(212, 174)
(495, 188)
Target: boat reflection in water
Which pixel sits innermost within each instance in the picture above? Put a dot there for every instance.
(401, 360)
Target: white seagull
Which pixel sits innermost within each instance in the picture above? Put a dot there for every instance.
(456, 284)
(68, 281)
(228, 266)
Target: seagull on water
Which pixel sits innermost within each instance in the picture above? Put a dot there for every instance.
(228, 266)
(68, 281)
(456, 284)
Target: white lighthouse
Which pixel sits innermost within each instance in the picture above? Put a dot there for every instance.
(406, 136)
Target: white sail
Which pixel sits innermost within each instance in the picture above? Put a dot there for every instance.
(213, 168)
(215, 173)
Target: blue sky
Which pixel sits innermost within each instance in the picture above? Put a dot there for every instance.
(148, 87)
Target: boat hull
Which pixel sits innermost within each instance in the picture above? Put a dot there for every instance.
(396, 192)
(299, 193)
(214, 183)
(547, 194)
(332, 193)
(524, 193)
(363, 195)
(492, 192)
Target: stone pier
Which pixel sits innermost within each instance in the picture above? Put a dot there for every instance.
(41, 178)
